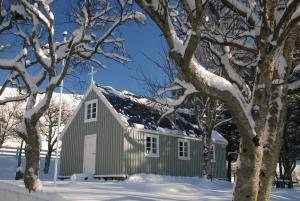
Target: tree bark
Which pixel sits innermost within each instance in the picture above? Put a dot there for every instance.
(280, 168)
(247, 173)
(229, 159)
(19, 172)
(276, 118)
(48, 160)
(207, 159)
(32, 153)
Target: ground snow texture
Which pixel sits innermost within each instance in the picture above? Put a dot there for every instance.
(136, 187)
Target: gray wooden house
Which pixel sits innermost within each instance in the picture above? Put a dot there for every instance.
(114, 134)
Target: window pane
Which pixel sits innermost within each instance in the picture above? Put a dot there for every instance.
(89, 106)
(148, 139)
(154, 146)
(185, 149)
(88, 116)
(180, 153)
(154, 140)
(148, 150)
(185, 154)
(180, 148)
(154, 151)
(94, 105)
(148, 145)
(185, 144)
(180, 144)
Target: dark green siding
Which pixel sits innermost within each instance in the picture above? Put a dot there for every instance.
(219, 167)
(109, 148)
(167, 163)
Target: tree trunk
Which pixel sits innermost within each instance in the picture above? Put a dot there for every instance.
(19, 172)
(280, 168)
(276, 118)
(48, 160)
(247, 172)
(229, 159)
(32, 153)
(207, 159)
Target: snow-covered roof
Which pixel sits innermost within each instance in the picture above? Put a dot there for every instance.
(216, 137)
(140, 112)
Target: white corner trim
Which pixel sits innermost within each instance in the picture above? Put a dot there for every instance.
(160, 133)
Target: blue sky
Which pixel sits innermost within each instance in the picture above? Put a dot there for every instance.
(140, 40)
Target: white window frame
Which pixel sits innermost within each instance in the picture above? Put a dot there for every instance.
(213, 156)
(90, 102)
(151, 154)
(188, 157)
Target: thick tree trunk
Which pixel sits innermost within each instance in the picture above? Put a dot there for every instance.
(32, 153)
(247, 173)
(276, 118)
(48, 160)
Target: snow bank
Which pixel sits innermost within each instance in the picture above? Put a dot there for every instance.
(12, 192)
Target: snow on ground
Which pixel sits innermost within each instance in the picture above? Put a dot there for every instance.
(137, 187)
(8, 166)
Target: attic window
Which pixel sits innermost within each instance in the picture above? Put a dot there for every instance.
(183, 149)
(91, 110)
(151, 145)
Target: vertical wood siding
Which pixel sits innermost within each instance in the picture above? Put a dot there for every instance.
(219, 167)
(167, 163)
(109, 146)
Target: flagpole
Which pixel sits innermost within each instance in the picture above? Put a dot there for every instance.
(59, 120)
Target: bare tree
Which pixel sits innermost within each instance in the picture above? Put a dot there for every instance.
(48, 127)
(206, 110)
(259, 35)
(10, 118)
(43, 60)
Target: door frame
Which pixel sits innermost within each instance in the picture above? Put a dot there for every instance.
(93, 136)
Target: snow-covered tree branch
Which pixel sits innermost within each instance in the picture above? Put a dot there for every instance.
(38, 67)
(253, 42)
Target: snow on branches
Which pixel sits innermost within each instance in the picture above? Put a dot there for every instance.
(42, 59)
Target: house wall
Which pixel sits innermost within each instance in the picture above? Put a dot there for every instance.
(219, 167)
(167, 163)
(109, 146)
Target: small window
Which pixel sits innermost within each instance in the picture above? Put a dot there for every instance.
(152, 145)
(213, 153)
(183, 149)
(91, 110)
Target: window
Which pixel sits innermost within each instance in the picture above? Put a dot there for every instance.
(91, 110)
(183, 149)
(213, 153)
(151, 145)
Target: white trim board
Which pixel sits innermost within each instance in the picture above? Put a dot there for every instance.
(75, 112)
(160, 133)
(111, 175)
(94, 88)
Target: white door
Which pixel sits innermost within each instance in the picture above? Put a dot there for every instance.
(89, 157)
